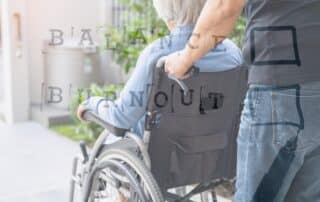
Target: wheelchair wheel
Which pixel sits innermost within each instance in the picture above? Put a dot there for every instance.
(120, 173)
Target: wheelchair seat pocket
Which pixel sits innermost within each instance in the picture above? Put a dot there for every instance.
(194, 159)
(201, 143)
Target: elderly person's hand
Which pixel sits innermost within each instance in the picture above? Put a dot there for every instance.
(178, 64)
(80, 111)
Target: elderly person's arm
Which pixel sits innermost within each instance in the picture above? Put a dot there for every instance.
(130, 107)
(215, 23)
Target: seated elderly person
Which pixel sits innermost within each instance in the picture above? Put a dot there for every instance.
(180, 17)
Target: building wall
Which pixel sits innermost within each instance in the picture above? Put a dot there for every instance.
(43, 15)
(15, 68)
(23, 69)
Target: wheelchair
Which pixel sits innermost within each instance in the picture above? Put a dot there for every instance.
(190, 135)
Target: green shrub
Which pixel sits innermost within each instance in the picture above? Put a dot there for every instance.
(72, 132)
(238, 32)
(143, 27)
(133, 35)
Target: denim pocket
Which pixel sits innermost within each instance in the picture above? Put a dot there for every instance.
(256, 116)
(302, 106)
(250, 113)
(287, 119)
(244, 134)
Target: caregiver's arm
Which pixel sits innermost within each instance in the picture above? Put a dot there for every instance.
(215, 23)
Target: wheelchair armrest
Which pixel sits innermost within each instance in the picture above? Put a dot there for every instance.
(92, 117)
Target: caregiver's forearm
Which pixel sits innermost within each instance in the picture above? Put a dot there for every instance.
(216, 22)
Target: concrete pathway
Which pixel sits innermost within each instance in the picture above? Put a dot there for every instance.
(1, 77)
(35, 164)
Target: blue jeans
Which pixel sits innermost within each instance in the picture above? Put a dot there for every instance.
(279, 144)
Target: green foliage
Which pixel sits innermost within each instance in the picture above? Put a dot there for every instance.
(72, 132)
(238, 32)
(143, 27)
(89, 131)
(139, 27)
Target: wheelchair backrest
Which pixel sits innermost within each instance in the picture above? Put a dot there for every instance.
(193, 135)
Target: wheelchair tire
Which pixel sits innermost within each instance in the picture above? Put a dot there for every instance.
(136, 165)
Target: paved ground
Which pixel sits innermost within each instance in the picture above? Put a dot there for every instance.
(1, 77)
(35, 164)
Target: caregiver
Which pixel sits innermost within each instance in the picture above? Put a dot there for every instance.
(279, 137)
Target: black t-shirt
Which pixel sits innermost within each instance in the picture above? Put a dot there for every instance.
(282, 41)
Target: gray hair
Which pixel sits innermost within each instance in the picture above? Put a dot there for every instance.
(179, 11)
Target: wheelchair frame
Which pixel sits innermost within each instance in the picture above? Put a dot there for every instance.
(84, 179)
(85, 165)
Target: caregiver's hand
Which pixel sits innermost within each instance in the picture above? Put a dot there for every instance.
(177, 64)
(217, 20)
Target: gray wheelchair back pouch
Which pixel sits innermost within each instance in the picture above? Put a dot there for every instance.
(193, 134)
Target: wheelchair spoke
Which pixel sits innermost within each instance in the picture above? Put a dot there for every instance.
(119, 175)
(117, 181)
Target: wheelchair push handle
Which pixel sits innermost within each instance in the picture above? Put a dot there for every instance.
(90, 116)
(193, 71)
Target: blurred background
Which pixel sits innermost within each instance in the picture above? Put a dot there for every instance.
(53, 55)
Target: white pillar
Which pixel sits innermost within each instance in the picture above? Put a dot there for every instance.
(16, 78)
